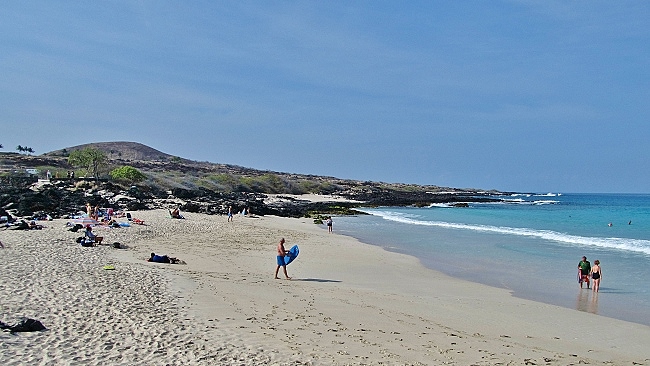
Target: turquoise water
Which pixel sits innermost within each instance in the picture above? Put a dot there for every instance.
(530, 244)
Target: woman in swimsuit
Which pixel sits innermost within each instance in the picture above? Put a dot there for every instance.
(596, 275)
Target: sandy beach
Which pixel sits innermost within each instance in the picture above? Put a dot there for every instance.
(348, 303)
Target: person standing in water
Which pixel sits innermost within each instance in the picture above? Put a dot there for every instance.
(584, 268)
(596, 275)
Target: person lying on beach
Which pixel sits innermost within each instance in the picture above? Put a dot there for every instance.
(34, 226)
(110, 223)
(163, 259)
(24, 225)
(75, 228)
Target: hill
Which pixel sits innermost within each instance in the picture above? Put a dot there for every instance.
(118, 150)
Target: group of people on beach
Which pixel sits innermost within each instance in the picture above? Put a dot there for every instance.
(244, 212)
(12, 223)
(587, 272)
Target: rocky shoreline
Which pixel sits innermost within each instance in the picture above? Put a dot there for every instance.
(61, 198)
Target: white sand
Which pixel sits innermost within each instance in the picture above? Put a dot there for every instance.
(348, 304)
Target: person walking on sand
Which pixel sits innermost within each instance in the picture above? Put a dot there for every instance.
(328, 222)
(596, 274)
(584, 268)
(229, 213)
(280, 259)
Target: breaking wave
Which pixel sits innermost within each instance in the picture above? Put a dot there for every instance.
(624, 244)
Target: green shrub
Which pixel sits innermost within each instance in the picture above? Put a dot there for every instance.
(128, 174)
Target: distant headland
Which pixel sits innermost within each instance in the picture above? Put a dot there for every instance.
(133, 176)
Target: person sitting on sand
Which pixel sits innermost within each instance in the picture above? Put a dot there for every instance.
(163, 259)
(92, 238)
(176, 214)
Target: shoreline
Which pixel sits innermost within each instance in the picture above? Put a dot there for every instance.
(501, 271)
(349, 303)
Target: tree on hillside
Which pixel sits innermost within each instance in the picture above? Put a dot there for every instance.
(93, 160)
(26, 149)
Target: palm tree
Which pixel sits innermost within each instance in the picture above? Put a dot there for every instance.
(26, 149)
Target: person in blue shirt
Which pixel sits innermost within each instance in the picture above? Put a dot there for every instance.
(163, 259)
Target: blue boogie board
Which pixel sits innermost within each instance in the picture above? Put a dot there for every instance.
(291, 254)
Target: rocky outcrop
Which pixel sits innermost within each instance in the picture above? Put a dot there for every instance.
(61, 198)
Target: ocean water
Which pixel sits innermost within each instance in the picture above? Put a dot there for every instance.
(529, 244)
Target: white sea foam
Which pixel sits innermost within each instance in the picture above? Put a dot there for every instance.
(516, 201)
(545, 202)
(442, 205)
(624, 244)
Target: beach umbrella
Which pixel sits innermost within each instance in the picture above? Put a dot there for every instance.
(85, 221)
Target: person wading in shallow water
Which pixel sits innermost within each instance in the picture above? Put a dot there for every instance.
(584, 267)
(596, 275)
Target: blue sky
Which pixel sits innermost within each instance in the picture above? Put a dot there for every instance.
(542, 96)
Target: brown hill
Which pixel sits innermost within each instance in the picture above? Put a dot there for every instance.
(123, 150)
